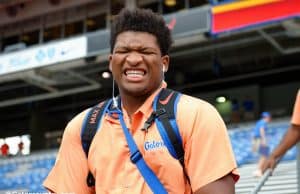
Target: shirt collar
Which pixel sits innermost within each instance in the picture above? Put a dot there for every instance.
(146, 108)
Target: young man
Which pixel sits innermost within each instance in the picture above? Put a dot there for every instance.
(260, 144)
(140, 43)
(290, 139)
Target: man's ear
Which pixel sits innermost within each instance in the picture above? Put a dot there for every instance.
(165, 62)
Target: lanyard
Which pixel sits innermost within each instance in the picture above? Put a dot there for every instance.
(137, 158)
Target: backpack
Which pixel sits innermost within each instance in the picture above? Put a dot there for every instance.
(164, 116)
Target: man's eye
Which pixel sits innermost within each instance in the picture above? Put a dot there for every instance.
(120, 51)
(148, 52)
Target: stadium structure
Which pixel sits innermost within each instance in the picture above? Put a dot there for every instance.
(240, 55)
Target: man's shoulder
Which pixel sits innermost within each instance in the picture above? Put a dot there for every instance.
(261, 123)
(193, 100)
(258, 122)
(190, 103)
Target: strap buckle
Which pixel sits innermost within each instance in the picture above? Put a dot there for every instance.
(135, 157)
(160, 112)
(149, 121)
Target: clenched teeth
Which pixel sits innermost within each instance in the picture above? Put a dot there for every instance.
(134, 72)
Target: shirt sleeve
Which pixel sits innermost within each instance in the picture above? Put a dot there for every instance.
(296, 113)
(208, 151)
(71, 167)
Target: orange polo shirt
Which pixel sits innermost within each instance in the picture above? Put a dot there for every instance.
(208, 153)
(296, 113)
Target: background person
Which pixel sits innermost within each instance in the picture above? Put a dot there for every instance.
(5, 149)
(20, 147)
(260, 143)
(291, 138)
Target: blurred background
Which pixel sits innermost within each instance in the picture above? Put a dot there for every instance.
(242, 56)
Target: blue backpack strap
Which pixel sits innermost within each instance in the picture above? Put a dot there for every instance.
(165, 106)
(136, 158)
(89, 128)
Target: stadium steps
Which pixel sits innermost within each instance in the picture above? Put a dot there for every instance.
(283, 181)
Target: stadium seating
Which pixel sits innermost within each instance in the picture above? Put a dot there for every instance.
(26, 173)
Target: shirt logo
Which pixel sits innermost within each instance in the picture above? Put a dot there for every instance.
(153, 145)
(166, 100)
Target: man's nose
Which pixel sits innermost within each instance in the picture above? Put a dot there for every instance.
(134, 58)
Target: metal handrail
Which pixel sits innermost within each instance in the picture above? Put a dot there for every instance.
(264, 178)
(262, 181)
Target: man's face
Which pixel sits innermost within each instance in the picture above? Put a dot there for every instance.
(137, 63)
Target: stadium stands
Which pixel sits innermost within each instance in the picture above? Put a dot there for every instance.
(26, 173)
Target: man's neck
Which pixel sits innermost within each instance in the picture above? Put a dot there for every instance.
(132, 103)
